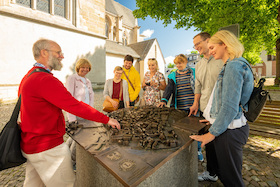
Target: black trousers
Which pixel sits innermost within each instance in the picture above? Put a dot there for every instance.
(228, 151)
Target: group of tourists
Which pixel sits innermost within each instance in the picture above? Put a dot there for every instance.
(214, 89)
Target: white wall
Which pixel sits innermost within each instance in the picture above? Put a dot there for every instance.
(17, 37)
(159, 58)
(111, 62)
(267, 63)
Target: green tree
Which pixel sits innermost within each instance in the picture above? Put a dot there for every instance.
(194, 52)
(171, 65)
(259, 28)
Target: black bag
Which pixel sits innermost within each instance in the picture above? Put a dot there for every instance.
(257, 101)
(10, 136)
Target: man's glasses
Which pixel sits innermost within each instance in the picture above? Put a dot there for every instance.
(195, 45)
(58, 52)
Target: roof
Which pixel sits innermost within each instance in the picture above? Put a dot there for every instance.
(115, 48)
(120, 10)
(142, 48)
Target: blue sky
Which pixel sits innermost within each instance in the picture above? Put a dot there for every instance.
(172, 41)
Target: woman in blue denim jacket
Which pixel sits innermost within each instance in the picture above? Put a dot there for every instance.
(229, 129)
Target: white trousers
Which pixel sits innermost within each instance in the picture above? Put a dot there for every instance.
(50, 168)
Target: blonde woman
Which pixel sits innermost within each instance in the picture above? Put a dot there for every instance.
(79, 86)
(112, 89)
(153, 82)
(229, 131)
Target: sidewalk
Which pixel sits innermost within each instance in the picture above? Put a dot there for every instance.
(261, 165)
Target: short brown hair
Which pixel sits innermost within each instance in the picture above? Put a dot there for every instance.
(203, 35)
(180, 58)
(82, 62)
(128, 58)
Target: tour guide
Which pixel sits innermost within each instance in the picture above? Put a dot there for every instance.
(43, 98)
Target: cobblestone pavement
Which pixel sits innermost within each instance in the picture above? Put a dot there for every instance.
(261, 165)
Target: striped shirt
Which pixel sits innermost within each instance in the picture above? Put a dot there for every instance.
(185, 95)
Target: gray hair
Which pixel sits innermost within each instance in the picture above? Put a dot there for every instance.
(40, 45)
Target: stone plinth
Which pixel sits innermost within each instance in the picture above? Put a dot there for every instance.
(177, 169)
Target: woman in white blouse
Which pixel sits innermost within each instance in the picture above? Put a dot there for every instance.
(79, 86)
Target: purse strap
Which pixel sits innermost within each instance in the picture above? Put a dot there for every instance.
(17, 107)
(129, 81)
(121, 90)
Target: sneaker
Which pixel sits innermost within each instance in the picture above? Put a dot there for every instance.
(200, 156)
(205, 176)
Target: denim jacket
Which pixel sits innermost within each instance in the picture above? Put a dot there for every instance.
(234, 86)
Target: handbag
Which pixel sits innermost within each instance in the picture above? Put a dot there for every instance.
(107, 105)
(256, 102)
(138, 98)
(10, 138)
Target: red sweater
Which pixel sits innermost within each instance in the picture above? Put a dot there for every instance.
(42, 99)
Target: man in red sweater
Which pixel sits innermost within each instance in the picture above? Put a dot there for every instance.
(42, 122)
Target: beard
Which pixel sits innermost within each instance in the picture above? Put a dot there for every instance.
(54, 63)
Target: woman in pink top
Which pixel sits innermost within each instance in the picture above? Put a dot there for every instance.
(79, 86)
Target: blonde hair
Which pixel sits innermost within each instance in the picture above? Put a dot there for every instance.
(81, 62)
(118, 68)
(180, 58)
(234, 46)
(151, 60)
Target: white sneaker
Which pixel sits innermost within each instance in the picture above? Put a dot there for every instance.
(205, 176)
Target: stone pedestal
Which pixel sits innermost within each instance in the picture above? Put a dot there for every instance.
(177, 169)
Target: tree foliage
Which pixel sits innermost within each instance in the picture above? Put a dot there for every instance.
(259, 28)
(171, 65)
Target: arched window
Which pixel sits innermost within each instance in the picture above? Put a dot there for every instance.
(107, 29)
(124, 39)
(114, 34)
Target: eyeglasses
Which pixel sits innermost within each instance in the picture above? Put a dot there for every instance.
(151, 59)
(58, 52)
(195, 45)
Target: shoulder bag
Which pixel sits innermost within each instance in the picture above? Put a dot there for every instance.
(257, 101)
(107, 105)
(10, 138)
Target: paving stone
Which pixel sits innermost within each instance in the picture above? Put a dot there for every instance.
(253, 172)
(263, 184)
(276, 174)
(254, 183)
(246, 167)
(272, 183)
(255, 178)
(246, 183)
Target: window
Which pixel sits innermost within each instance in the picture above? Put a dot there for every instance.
(59, 8)
(124, 39)
(114, 34)
(55, 7)
(268, 57)
(107, 29)
(43, 5)
(24, 2)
